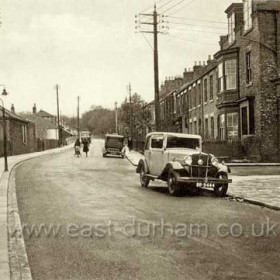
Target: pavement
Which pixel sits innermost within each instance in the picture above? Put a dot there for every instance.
(4, 184)
(263, 190)
(106, 226)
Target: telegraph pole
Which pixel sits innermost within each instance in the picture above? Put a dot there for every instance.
(155, 24)
(130, 110)
(157, 105)
(78, 117)
(58, 117)
(116, 116)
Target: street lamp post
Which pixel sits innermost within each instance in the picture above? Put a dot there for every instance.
(4, 93)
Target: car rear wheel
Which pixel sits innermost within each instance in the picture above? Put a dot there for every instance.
(172, 183)
(144, 180)
(220, 190)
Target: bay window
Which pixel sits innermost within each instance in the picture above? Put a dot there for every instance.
(230, 74)
(220, 77)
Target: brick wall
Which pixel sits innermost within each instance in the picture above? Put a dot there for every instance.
(15, 143)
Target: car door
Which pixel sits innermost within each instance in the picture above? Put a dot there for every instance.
(156, 154)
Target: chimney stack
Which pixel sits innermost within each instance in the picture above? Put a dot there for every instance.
(34, 109)
(13, 109)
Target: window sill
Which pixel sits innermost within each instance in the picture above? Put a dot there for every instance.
(199, 106)
(211, 101)
(249, 85)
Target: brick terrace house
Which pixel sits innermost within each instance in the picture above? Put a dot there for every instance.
(46, 129)
(21, 134)
(232, 99)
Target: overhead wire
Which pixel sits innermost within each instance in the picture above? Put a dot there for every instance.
(147, 41)
(195, 25)
(170, 8)
(200, 20)
(199, 31)
(151, 6)
(187, 4)
(158, 8)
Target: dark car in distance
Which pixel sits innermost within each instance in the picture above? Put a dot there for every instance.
(114, 145)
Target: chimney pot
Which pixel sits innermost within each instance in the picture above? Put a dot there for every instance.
(34, 109)
(13, 108)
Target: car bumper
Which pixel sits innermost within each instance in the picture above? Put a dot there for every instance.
(207, 180)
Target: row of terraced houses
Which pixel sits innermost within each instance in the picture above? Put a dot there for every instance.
(233, 100)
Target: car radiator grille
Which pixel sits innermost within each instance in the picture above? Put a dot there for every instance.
(113, 150)
(198, 170)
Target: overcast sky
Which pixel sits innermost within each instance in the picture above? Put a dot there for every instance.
(90, 48)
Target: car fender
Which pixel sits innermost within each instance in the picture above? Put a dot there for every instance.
(175, 165)
(142, 162)
(222, 168)
(172, 165)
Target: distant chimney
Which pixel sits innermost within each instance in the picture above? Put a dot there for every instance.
(34, 109)
(13, 108)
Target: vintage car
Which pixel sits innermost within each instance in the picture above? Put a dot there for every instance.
(178, 159)
(114, 145)
(85, 136)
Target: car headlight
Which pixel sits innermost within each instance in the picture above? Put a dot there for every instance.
(188, 160)
(215, 162)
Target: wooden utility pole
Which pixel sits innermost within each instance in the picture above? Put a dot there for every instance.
(58, 117)
(156, 29)
(130, 110)
(116, 116)
(78, 117)
(157, 105)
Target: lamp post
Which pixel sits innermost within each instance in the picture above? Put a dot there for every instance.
(4, 93)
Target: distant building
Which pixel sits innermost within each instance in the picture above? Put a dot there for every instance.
(21, 134)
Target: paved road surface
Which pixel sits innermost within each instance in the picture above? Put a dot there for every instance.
(111, 228)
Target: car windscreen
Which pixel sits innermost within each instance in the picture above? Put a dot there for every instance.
(114, 142)
(182, 142)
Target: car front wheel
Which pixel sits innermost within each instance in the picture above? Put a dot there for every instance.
(220, 190)
(144, 180)
(173, 184)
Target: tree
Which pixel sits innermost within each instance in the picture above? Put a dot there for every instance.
(98, 121)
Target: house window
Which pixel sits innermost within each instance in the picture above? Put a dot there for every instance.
(212, 128)
(232, 126)
(206, 129)
(244, 120)
(220, 78)
(175, 105)
(230, 72)
(231, 27)
(193, 98)
(247, 117)
(199, 127)
(248, 68)
(205, 91)
(211, 87)
(247, 12)
(199, 94)
(24, 134)
(222, 127)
